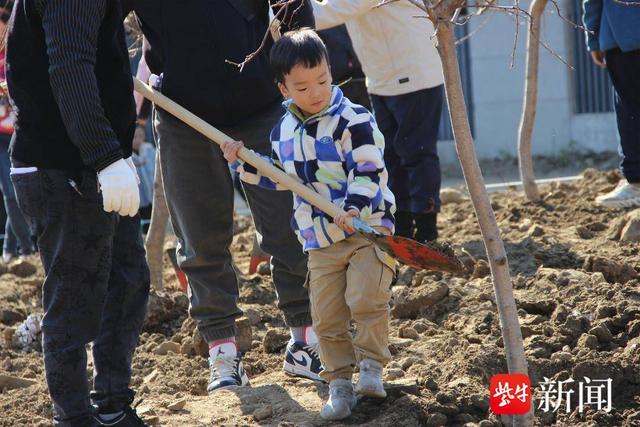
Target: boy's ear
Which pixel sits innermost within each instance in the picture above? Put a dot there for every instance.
(283, 90)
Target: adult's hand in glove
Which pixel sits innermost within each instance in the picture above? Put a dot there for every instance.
(119, 186)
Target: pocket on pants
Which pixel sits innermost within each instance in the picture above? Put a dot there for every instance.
(29, 194)
(388, 268)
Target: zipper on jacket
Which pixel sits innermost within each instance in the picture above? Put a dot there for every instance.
(306, 175)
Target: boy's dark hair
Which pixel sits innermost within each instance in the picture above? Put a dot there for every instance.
(300, 47)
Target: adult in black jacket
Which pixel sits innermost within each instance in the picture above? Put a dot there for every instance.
(68, 75)
(192, 43)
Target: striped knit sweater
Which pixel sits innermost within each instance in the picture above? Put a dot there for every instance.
(339, 154)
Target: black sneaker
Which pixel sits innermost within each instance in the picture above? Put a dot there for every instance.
(128, 418)
(226, 372)
(303, 360)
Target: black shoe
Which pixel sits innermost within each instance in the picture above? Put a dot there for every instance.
(302, 360)
(404, 224)
(128, 418)
(426, 227)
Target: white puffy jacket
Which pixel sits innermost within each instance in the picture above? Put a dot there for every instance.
(395, 48)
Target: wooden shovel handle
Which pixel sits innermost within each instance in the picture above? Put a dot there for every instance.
(265, 168)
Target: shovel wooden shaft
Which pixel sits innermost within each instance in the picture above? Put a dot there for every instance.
(264, 167)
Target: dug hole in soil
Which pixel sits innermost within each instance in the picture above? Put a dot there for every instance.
(575, 273)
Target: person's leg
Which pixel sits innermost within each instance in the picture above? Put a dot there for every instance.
(624, 68)
(75, 238)
(367, 294)
(418, 115)
(327, 285)
(368, 280)
(398, 177)
(123, 314)
(10, 244)
(199, 196)
(272, 211)
(17, 225)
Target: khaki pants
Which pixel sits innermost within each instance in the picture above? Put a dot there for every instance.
(350, 280)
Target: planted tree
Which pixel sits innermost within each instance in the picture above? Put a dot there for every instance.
(445, 14)
(528, 118)
(154, 243)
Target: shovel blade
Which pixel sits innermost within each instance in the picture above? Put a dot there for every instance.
(435, 257)
(417, 255)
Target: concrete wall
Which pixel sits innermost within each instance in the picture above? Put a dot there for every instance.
(497, 90)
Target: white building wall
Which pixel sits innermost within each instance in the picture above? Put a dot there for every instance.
(497, 90)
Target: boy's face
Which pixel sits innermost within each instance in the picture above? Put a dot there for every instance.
(310, 88)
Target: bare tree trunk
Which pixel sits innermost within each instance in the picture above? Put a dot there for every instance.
(154, 243)
(513, 344)
(528, 118)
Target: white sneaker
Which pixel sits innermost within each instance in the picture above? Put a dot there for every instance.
(625, 195)
(341, 400)
(370, 381)
(303, 360)
(226, 372)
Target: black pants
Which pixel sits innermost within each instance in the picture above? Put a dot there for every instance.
(199, 193)
(409, 124)
(624, 69)
(95, 290)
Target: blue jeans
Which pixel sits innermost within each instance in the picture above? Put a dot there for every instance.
(409, 123)
(624, 69)
(16, 229)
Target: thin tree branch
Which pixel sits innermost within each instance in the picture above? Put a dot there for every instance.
(419, 5)
(284, 5)
(515, 38)
(472, 33)
(567, 20)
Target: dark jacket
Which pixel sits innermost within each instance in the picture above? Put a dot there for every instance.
(68, 76)
(192, 41)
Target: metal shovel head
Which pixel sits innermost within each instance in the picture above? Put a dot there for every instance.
(434, 257)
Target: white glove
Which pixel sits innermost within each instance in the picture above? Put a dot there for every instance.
(132, 165)
(119, 186)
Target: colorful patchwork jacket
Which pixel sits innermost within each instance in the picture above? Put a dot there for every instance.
(339, 154)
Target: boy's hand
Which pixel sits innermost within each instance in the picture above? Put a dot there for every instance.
(341, 220)
(230, 150)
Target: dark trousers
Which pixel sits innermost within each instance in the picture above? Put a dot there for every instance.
(624, 69)
(95, 290)
(199, 193)
(409, 124)
(16, 230)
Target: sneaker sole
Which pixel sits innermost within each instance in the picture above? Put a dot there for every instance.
(370, 392)
(245, 383)
(619, 204)
(295, 371)
(333, 417)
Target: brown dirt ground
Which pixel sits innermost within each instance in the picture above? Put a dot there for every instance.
(569, 278)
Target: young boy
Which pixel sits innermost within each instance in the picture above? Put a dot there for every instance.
(335, 148)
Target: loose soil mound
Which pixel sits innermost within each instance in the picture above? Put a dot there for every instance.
(575, 283)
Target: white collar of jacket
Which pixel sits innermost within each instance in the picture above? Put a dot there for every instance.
(336, 100)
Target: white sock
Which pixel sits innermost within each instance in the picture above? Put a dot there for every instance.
(310, 336)
(223, 348)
